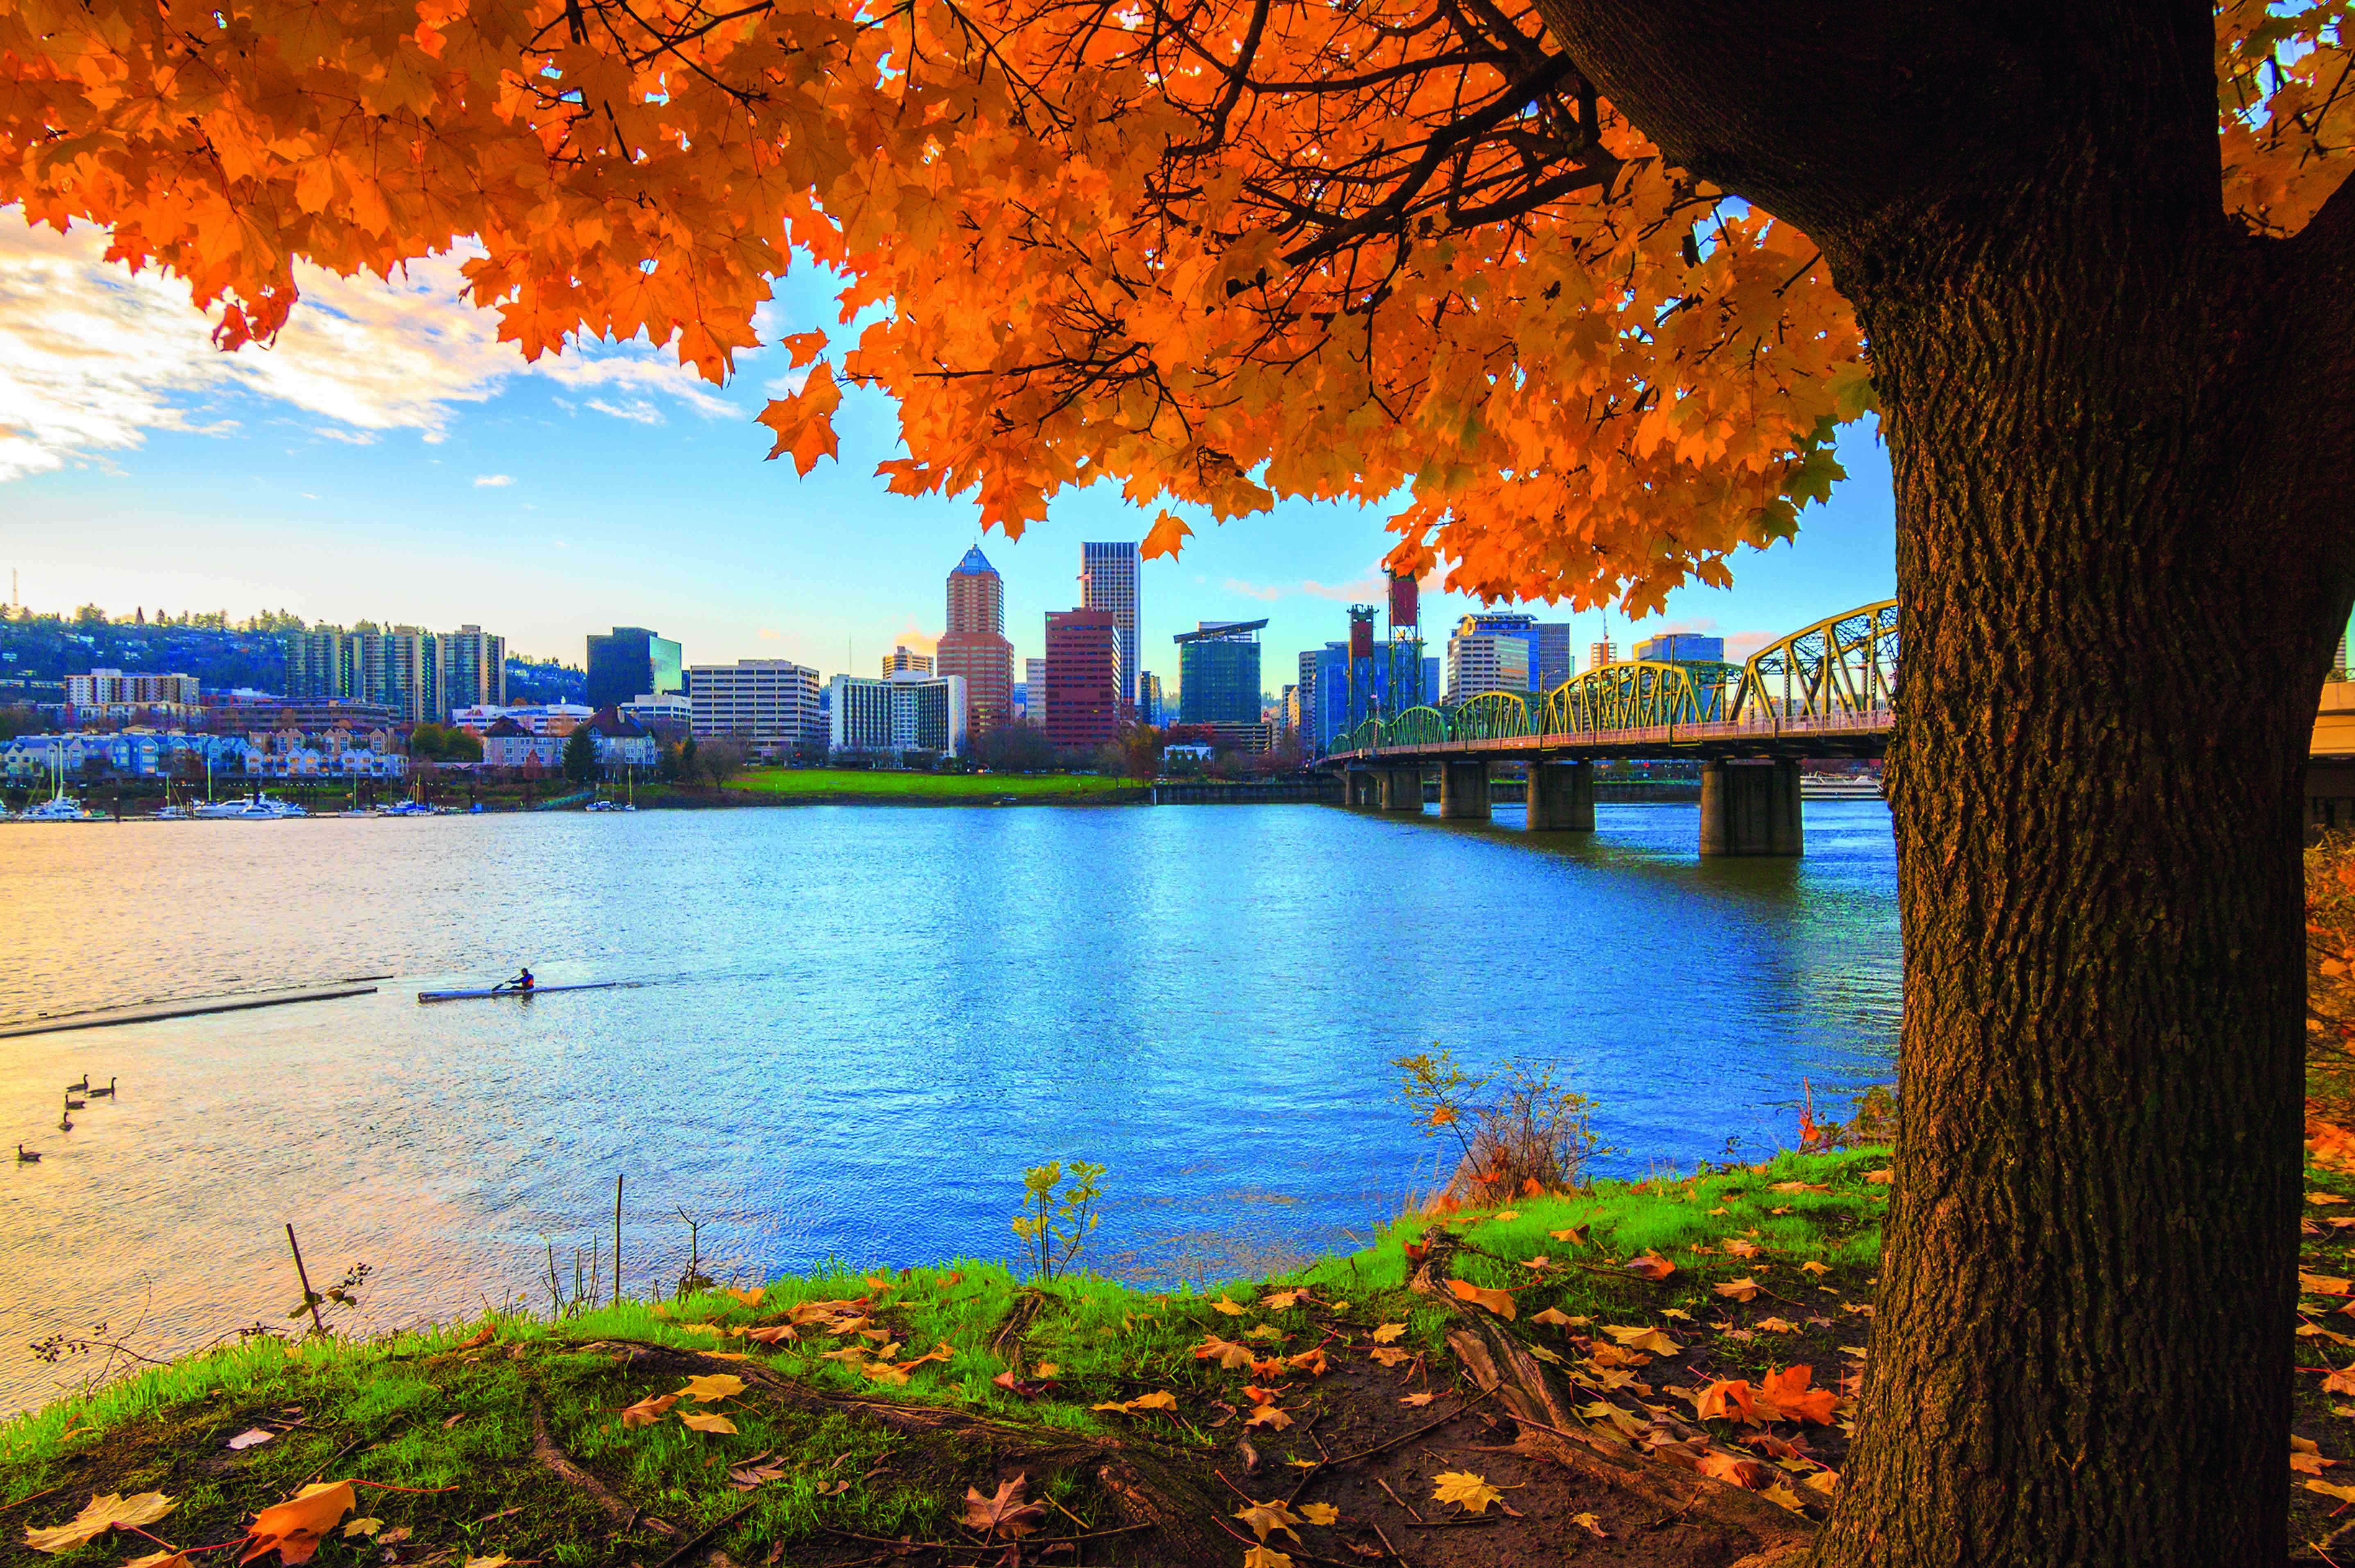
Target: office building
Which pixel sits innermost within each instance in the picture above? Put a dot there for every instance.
(902, 661)
(632, 661)
(1152, 705)
(1491, 654)
(1556, 662)
(1034, 692)
(1217, 673)
(975, 648)
(905, 712)
(1681, 648)
(1287, 711)
(769, 705)
(1084, 700)
(1108, 582)
(1304, 691)
(1601, 653)
(474, 668)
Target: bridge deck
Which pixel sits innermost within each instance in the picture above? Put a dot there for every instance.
(1864, 734)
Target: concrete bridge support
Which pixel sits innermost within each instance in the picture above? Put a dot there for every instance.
(1561, 797)
(1358, 786)
(1750, 808)
(1463, 791)
(1401, 790)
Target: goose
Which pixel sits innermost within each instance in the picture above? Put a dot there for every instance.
(80, 1088)
(73, 1103)
(28, 1156)
(65, 1124)
(107, 1091)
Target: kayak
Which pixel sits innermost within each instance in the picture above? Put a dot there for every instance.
(517, 991)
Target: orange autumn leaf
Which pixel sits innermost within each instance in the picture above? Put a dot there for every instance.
(1740, 1471)
(1727, 1398)
(803, 422)
(1500, 1302)
(294, 1527)
(1786, 1396)
(1651, 1267)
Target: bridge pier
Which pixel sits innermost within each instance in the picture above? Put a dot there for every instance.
(1358, 786)
(1561, 797)
(1751, 809)
(1401, 790)
(1463, 791)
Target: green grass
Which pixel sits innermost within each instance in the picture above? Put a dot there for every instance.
(829, 781)
(416, 1410)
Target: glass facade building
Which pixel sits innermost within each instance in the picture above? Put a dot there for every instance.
(632, 661)
(1217, 673)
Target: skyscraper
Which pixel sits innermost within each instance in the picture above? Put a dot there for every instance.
(975, 644)
(474, 669)
(1601, 653)
(1034, 683)
(1108, 579)
(1556, 664)
(1083, 705)
(633, 663)
(1494, 652)
(1217, 673)
(900, 661)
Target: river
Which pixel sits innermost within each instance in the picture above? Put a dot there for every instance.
(863, 1022)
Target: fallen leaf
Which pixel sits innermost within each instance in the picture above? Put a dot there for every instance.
(1227, 1307)
(1160, 1399)
(1389, 1331)
(2321, 1285)
(1775, 1326)
(1283, 1300)
(1418, 1399)
(1739, 1246)
(1591, 1524)
(1226, 1352)
(1740, 1471)
(771, 1334)
(1727, 1397)
(713, 1387)
(1264, 1332)
(99, 1515)
(1389, 1355)
(2344, 1494)
(1812, 1266)
(481, 1337)
(1264, 1557)
(1641, 1338)
(353, 1526)
(252, 1440)
(294, 1527)
(1801, 1187)
(1881, 1178)
(1744, 1290)
(1462, 1487)
(1310, 1360)
(500, 1561)
(749, 1297)
(1824, 1481)
(393, 1537)
(1505, 1214)
(1576, 1234)
(1266, 1518)
(2341, 1382)
(1781, 1494)
(1651, 1267)
(2324, 1198)
(1500, 1302)
(1786, 1396)
(1004, 1514)
(1047, 1370)
(1268, 1415)
(745, 1478)
(1618, 1356)
(2309, 1464)
(649, 1410)
(160, 1560)
(1320, 1513)
(706, 1421)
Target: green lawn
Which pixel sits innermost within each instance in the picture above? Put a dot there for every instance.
(942, 786)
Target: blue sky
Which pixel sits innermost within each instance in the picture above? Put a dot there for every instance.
(389, 461)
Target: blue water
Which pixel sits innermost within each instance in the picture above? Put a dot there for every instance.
(865, 1022)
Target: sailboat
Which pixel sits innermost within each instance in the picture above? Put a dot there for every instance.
(59, 807)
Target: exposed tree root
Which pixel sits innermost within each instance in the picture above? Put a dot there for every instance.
(1540, 1401)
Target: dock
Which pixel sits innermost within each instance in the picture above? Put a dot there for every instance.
(190, 1007)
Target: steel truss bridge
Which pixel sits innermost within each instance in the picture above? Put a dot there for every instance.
(1827, 690)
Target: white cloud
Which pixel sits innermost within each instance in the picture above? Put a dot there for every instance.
(493, 480)
(790, 383)
(637, 410)
(92, 358)
(1266, 593)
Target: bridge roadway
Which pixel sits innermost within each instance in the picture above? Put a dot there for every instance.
(1825, 691)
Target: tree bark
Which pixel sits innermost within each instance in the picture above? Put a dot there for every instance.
(2119, 427)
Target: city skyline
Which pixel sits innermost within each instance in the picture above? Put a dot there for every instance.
(388, 439)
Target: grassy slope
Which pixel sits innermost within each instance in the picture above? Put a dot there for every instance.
(410, 1411)
(920, 786)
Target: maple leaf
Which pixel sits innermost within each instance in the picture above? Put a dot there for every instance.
(712, 1387)
(1283, 1301)
(706, 1421)
(1265, 1557)
(1268, 1415)
(1418, 1399)
(1786, 1396)
(1744, 1290)
(1802, 1187)
(1462, 1487)
(1387, 1333)
(1738, 1469)
(803, 421)
(1166, 537)
(1881, 1178)
(750, 1297)
(1812, 1266)
(1320, 1513)
(2330, 1490)
(1226, 1352)
(1004, 1514)
(1266, 1518)
(1500, 1302)
(1651, 1267)
(1227, 1307)
(649, 1410)
(294, 1527)
(1389, 1355)
(100, 1514)
(1576, 1234)
(1310, 1360)
(1159, 1399)
(1643, 1338)
(1825, 1481)
(1775, 1326)
(1727, 1397)
(1592, 1524)
(2321, 1285)
(160, 1560)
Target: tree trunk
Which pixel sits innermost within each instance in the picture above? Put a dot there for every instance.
(2122, 554)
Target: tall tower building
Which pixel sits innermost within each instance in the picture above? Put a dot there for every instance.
(975, 644)
(474, 669)
(1108, 579)
(1083, 706)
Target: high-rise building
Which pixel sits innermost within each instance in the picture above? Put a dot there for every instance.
(400, 668)
(1034, 690)
(1491, 654)
(632, 661)
(974, 646)
(1108, 581)
(321, 661)
(1601, 653)
(1681, 648)
(474, 669)
(902, 661)
(1084, 701)
(1217, 673)
(1151, 706)
(771, 705)
(1556, 662)
(906, 711)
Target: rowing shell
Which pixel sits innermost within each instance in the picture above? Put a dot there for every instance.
(517, 991)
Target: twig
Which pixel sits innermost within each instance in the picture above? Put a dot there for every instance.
(331, 1459)
(695, 1542)
(301, 1274)
(1410, 1437)
(1399, 1500)
(34, 1498)
(1385, 1540)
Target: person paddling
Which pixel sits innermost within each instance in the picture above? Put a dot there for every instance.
(522, 981)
